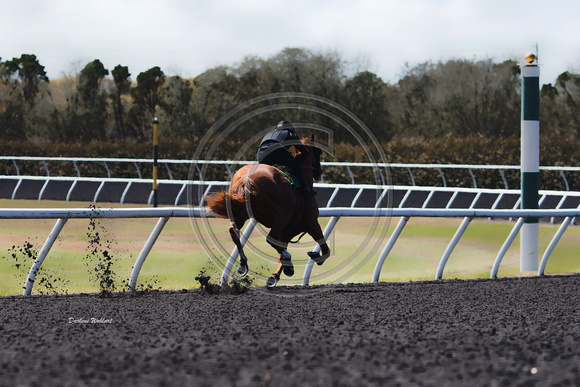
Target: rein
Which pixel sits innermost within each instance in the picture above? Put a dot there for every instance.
(300, 237)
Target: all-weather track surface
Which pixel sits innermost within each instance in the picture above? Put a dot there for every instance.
(522, 331)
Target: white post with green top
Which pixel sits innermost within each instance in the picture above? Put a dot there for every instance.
(530, 163)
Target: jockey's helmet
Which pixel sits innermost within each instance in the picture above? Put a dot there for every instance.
(286, 125)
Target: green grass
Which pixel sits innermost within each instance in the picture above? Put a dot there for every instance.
(178, 256)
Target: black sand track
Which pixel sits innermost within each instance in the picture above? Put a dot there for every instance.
(486, 332)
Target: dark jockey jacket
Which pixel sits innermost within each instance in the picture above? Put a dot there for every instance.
(274, 148)
(274, 151)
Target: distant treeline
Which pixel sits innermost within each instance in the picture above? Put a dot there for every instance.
(458, 98)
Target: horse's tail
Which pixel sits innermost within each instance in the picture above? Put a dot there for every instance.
(219, 202)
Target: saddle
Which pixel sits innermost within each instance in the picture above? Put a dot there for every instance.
(286, 174)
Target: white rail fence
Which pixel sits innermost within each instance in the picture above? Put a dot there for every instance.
(164, 214)
(357, 195)
(230, 166)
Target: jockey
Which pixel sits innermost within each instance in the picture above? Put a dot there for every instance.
(274, 150)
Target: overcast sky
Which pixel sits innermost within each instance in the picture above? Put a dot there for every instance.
(188, 37)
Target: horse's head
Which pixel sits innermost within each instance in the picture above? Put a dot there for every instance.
(313, 159)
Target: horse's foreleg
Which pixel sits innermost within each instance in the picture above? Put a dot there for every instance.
(284, 265)
(318, 236)
(235, 234)
(284, 257)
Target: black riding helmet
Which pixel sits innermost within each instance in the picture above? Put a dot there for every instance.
(286, 125)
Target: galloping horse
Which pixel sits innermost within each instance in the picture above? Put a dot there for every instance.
(260, 191)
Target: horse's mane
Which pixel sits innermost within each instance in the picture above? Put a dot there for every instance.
(309, 141)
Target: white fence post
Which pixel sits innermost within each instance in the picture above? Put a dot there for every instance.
(42, 254)
(506, 246)
(310, 263)
(553, 244)
(389, 247)
(146, 250)
(451, 246)
(234, 255)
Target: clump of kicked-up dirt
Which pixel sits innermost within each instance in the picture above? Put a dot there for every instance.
(149, 285)
(100, 261)
(47, 281)
(233, 287)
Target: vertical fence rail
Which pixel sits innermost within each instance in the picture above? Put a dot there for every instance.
(553, 244)
(506, 245)
(310, 263)
(146, 250)
(235, 253)
(388, 247)
(451, 246)
(42, 255)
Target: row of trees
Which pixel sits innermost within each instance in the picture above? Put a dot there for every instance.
(457, 98)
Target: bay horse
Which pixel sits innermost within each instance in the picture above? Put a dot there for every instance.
(260, 191)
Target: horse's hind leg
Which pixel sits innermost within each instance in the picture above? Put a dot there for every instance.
(235, 234)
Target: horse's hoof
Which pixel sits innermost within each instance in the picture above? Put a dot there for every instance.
(243, 271)
(322, 259)
(271, 281)
(287, 265)
(316, 257)
(288, 271)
